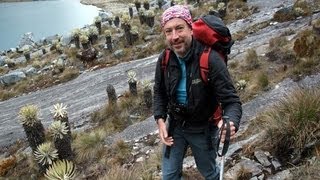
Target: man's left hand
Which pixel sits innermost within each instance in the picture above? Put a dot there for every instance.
(224, 131)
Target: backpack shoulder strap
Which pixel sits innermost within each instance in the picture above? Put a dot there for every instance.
(204, 64)
(165, 60)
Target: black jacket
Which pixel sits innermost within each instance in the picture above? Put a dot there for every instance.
(201, 97)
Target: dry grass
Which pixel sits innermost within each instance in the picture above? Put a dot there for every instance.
(118, 154)
(69, 74)
(293, 123)
(262, 80)
(120, 173)
(252, 60)
(309, 171)
(89, 146)
(243, 174)
(237, 9)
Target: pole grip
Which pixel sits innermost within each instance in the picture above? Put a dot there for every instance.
(225, 125)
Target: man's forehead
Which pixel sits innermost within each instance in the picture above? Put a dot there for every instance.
(174, 22)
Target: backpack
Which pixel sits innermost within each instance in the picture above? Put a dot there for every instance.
(212, 32)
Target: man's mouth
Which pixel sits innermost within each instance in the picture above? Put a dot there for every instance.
(177, 45)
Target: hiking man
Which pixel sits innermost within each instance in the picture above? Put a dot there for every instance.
(180, 92)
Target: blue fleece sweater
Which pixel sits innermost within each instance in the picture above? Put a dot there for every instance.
(181, 89)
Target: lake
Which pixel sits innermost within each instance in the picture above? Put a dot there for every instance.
(42, 18)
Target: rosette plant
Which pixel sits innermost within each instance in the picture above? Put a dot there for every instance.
(93, 34)
(61, 170)
(131, 11)
(32, 126)
(76, 36)
(146, 4)
(108, 39)
(137, 3)
(97, 23)
(45, 154)
(147, 93)
(61, 132)
(84, 39)
(149, 17)
(26, 53)
(116, 21)
(132, 82)
(112, 96)
(62, 141)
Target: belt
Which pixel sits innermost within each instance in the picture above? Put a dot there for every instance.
(190, 124)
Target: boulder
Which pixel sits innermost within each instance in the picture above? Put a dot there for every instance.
(12, 77)
(27, 39)
(3, 60)
(119, 53)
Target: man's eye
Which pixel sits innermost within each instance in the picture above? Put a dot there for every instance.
(168, 31)
(180, 28)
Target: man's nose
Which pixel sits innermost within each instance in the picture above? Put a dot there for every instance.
(175, 34)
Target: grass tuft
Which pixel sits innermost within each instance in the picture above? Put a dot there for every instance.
(88, 145)
(293, 123)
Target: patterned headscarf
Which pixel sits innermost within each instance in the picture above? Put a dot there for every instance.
(177, 11)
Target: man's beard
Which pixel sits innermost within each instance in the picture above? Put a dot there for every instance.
(182, 49)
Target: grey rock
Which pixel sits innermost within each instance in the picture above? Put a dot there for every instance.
(286, 174)
(189, 162)
(105, 15)
(61, 62)
(27, 39)
(244, 165)
(151, 37)
(12, 77)
(275, 164)
(261, 177)
(66, 39)
(262, 158)
(3, 60)
(143, 46)
(46, 69)
(118, 53)
(254, 178)
(29, 70)
(20, 60)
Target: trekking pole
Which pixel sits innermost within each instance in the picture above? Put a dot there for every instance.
(225, 125)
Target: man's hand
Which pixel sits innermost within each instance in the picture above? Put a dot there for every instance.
(224, 131)
(163, 133)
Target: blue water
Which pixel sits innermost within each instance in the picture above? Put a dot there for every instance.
(42, 18)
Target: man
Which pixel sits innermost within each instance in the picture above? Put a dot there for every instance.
(180, 92)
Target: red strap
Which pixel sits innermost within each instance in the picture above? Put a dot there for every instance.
(165, 60)
(204, 64)
(204, 70)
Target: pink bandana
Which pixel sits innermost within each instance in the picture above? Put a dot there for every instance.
(177, 11)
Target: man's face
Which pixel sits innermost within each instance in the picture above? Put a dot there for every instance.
(178, 36)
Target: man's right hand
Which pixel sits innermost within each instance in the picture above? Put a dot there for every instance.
(163, 133)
